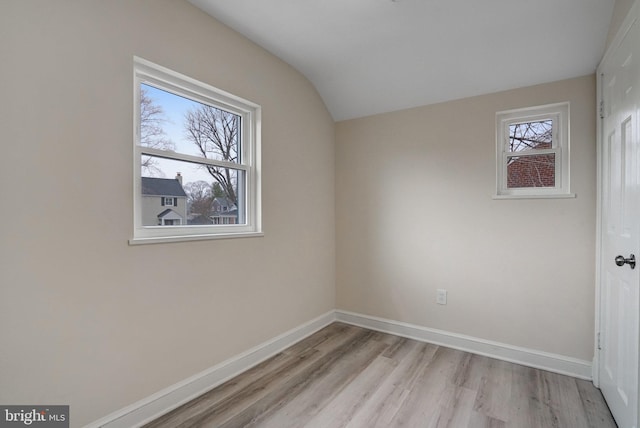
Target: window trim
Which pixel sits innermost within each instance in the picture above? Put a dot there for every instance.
(559, 113)
(250, 156)
(173, 201)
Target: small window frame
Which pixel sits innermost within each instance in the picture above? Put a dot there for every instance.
(146, 72)
(169, 201)
(559, 114)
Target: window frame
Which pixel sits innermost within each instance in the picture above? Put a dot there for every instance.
(146, 72)
(173, 201)
(559, 114)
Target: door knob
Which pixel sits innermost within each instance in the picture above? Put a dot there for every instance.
(631, 261)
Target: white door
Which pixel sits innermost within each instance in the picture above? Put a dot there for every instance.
(620, 228)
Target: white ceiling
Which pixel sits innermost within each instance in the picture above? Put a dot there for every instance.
(373, 56)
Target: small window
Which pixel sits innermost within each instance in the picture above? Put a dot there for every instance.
(533, 152)
(169, 202)
(196, 143)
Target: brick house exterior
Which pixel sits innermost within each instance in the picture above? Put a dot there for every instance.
(532, 170)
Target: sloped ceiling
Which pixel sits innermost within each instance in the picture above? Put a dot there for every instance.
(373, 56)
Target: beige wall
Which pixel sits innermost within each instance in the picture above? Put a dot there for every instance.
(85, 319)
(415, 213)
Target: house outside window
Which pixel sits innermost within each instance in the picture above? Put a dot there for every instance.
(197, 159)
(158, 194)
(532, 152)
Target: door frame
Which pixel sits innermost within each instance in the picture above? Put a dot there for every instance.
(632, 16)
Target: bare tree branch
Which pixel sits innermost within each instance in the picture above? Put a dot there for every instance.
(199, 197)
(151, 132)
(215, 133)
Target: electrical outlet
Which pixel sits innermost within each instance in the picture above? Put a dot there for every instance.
(441, 296)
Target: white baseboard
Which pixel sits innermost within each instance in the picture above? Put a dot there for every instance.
(158, 404)
(527, 357)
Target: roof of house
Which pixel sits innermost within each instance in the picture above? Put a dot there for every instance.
(162, 187)
(170, 214)
(229, 213)
(223, 201)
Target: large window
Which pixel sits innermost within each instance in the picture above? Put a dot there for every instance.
(196, 149)
(533, 152)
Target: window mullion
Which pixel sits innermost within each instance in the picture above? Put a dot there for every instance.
(190, 158)
(533, 152)
(560, 171)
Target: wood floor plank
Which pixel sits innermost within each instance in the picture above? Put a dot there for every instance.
(276, 398)
(429, 393)
(565, 399)
(595, 408)
(340, 410)
(329, 334)
(347, 376)
(494, 393)
(455, 408)
(384, 403)
(478, 420)
(322, 387)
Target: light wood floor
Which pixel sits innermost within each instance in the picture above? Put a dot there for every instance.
(345, 376)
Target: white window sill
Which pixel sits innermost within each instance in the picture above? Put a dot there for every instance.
(549, 196)
(186, 238)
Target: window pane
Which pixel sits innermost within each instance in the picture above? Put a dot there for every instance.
(175, 123)
(183, 193)
(531, 171)
(531, 136)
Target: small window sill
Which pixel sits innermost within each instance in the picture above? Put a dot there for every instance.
(187, 238)
(549, 196)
